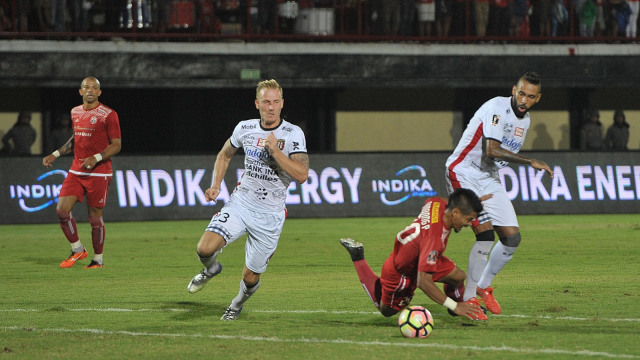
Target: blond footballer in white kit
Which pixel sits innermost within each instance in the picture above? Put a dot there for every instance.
(492, 139)
(275, 154)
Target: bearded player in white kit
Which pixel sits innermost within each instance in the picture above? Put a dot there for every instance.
(275, 154)
(492, 139)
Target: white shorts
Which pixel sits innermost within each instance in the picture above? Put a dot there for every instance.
(498, 209)
(263, 232)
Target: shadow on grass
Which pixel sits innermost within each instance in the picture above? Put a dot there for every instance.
(47, 261)
(194, 310)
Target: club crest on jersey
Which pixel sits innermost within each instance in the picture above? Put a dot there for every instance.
(94, 120)
(495, 120)
(433, 256)
(519, 132)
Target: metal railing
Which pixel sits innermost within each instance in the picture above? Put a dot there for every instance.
(343, 21)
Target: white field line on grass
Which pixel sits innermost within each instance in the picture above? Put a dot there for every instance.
(333, 341)
(337, 312)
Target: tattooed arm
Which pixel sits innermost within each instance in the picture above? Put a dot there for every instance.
(494, 150)
(64, 149)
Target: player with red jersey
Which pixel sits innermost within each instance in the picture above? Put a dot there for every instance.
(96, 138)
(418, 259)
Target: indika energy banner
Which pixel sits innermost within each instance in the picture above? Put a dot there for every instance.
(339, 185)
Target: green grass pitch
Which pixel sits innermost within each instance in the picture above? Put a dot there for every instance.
(571, 292)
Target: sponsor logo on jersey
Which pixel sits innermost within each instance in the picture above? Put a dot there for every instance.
(103, 111)
(495, 120)
(435, 214)
(249, 127)
(519, 132)
(433, 256)
(286, 128)
(261, 142)
(508, 128)
(511, 144)
(256, 153)
(261, 193)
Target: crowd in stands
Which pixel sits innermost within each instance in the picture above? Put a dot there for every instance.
(432, 19)
(592, 137)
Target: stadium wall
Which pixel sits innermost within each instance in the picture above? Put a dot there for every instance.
(339, 185)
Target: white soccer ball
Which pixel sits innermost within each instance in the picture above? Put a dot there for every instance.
(415, 322)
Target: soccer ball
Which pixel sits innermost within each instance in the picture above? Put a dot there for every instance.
(415, 321)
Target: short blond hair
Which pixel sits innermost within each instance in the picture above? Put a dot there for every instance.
(268, 84)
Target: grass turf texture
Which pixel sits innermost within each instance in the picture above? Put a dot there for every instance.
(570, 292)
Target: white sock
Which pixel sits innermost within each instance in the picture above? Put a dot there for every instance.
(477, 262)
(500, 256)
(77, 247)
(243, 295)
(210, 263)
(97, 258)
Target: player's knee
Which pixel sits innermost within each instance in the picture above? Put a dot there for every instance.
(209, 243)
(488, 235)
(387, 311)
(63, 215)
(95, 220)
(511, 240)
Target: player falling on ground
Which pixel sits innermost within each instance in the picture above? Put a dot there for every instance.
(275, 154)
(418, 259)
(492, 139)
(95, 140)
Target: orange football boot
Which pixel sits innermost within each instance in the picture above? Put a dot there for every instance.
(94, 265)
(489, 301)
(75, 256)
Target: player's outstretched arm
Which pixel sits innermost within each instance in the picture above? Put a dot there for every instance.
(426, 284)
(494, 150)
(541, 165)
(468, 310)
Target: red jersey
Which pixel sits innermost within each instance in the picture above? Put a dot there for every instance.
(419, 245)
(92, 131)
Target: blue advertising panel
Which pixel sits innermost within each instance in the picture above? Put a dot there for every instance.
(339, 185)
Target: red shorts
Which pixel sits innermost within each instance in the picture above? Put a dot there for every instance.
(398, 289)
(95, 187)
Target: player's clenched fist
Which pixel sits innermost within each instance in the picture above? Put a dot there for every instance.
(211, 194)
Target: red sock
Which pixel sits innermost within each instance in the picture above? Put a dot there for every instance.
(453, 292)
(370, 281)
(68, 225)
(97, 233)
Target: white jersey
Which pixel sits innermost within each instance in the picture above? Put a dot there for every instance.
(263, 186)
(493, 120)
